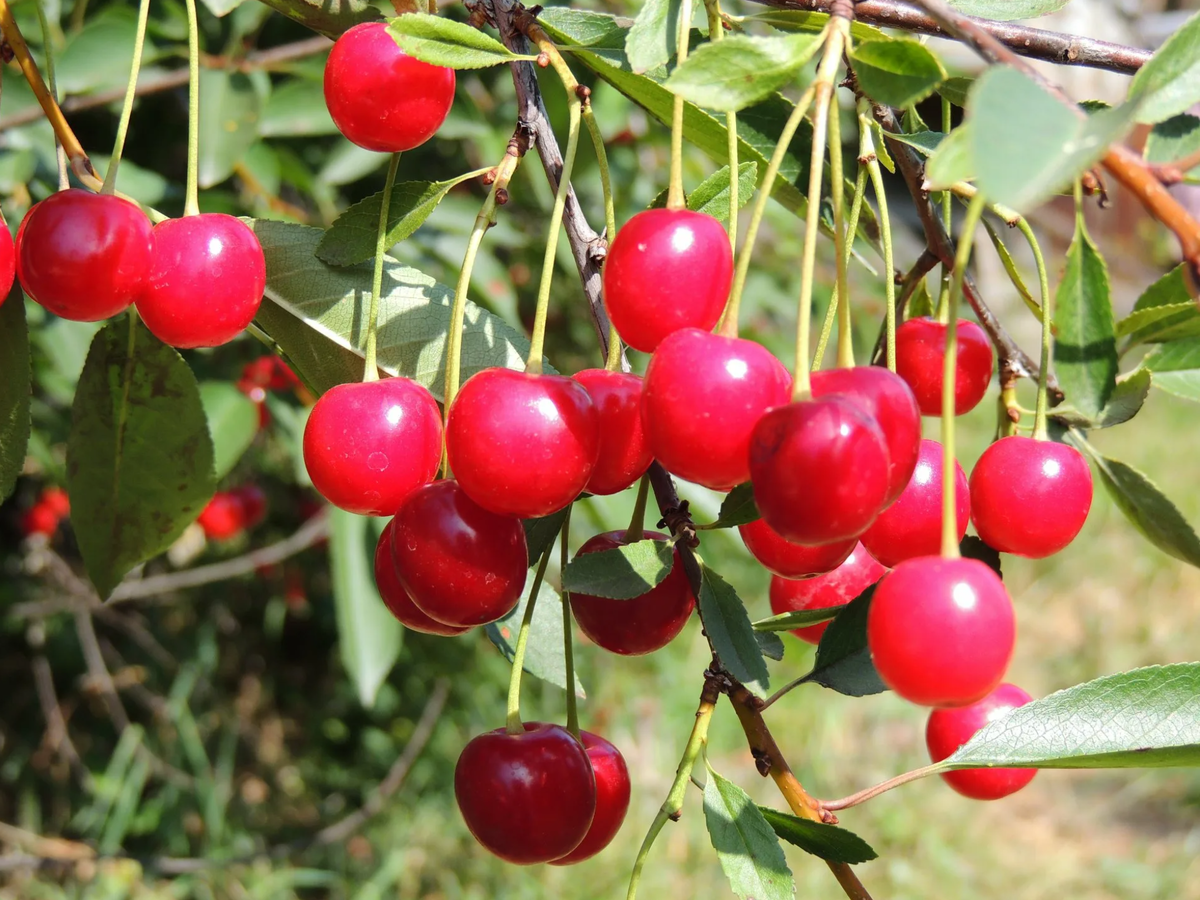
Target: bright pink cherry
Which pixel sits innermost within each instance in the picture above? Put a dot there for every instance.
(395, 597)
(666, 269)
(912, 526)
(949, 729)
(920, 360)
(624, 454)
(1033, 496)
(941, 631)
(8, 262)
(792, 560)
(612, 798)
(842, 585)
(380, 97)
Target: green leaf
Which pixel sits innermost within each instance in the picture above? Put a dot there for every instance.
(1164, 312)
(221, 8)
(14, 390)
(96, 58)
(843, 662)
(653, 37)
(711, 196)
(444, 42)
(295, 109)
(732, 636)
(1176, 368)
(1125, 402)
(952, 162)
(621, 573)
(769, 645)
(746, 845)
(812, 23)
(1169, 83)
(544, 651)
(896, 72)
(798, 619)
(1173, 139)
(1014, 274)
(232, 423)
(731, 74)
(139, 457)
(329, 17)
(738, 508)
(956, 89)
(1006, 10)
(230, 108)
(825, 841)
(541, 532)
(924, 142)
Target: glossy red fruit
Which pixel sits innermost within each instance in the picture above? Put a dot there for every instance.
(888, 399)
(522, 445)
(369, 445)
(229, 513)
(842, 585)
(624, 454)
(460, 564)
(912, 525)
(8, 262)
(41, 518)
(790, 560)
(267, 373)
(56, 500)
(380, 97)
(703, 395)
(84, 256)
(206, 280)
(820, 470)
(949, 729)
(643, 624)
(666, 269)
(396, 598)
(941, 631)
(920, 360)
(1034, 496)
(528, 798)
(612, 798)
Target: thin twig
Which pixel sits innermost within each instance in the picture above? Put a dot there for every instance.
(56, 723)
(98, 674)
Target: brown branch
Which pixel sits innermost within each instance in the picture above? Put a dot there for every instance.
(57, 734)
(98, 673)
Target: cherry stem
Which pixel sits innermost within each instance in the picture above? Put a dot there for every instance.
(64, 180)
(883, 787)
(870, 157)
(568, 642)
(831, 312)
(716, 32)
(191, 197)
(110, 177)
(512, 723)
(637, 522)
(371, 367)
(841, 241)
(1039, 417)
(947, 196)
(613, 358)
(675, 197)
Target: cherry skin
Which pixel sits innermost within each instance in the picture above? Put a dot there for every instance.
(949, 729)
(460, 564)
(703, 395)
(912, 525)
(45, 515)
(612, 798)
(369, 445)
(842, 585)
(56, 500)
(84, 256)
(396, 598)
(920, 360)
(941, 631)
(520, 444)
(229, 513)
(380, 97)
(643, 624)
(666, 269)
(790, 560)
(206, 280)
(1034, 496)
(8, 262)
(820, 470)
(624, 454)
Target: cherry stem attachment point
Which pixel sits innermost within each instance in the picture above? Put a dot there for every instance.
(675, 196)
(110, 176)
(371, 367)
(637, 521)
(191, 197)
(512, 723)
(568, 642)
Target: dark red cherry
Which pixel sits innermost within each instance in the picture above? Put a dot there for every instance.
(380, 97)
(842, 585)
(643, 624)
(703, 395)
(792, 560)
(369, 445)
(941, 631)
(820, 470)
(460, 564)
(920, 360)
(396, 598)
(206, 280)
(912, 525)
(1033, 496)
(84, 256)
(612, 798)
(522, 445)
(666, 269)
(624, 454)
(528, 798)
(8, 262)
(949, 729)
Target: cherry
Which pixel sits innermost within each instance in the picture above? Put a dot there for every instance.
(842, 585)
(380, 97)
(84, 256)
(949, 729)
(369, 445)
(643, 624)
(56, 500)
(704, 393)
(666, 269)
(612, 798)
(820, 470)
(941, 631)
(912, 525)
(206, 280)
(1032, 496)
(45, 515)
(520, 444)
(792, 560)
(395, 597)
(267, 373)
(528, 798)
(624, 454)
(8, 262)
(229, 513)
(920, 360)
(460, 564)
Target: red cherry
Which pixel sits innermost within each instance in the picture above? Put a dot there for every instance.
(369, 445)
(704, 394)
(84, 256)
(528, 798)
(624, 454)
(666, 269)
(643, 624)
(395, 597)
(792, 560)
(41, 518)
(253, 503)
(460, 564)
(949, 729)
(842, 585)
(56, 499)
(941, 631)
(820, 470)
(1033, 496)
(223, 516)
(8, 262)
(912, 526)
(920, 360)
(380, 97)
(888, 399)
(522, 445)
(612, 798)
(206, 280)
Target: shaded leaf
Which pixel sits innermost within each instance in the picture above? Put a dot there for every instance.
(1126, 400)
(541, 532)
(230, 108)
(924, 142)
(653, 36)
(956, 89)
(621, 573)
(232, 423)
(1014, 274)
(14, 389)
(731, 74)
(544, 651)
(1169, 83)
(825, 841)
(769, 644)
(746, 845)
(738, 508)
(1008, 9)
(798, 618)
(1176, 368)
(296, 108)
(896, 72)
(952, 162)
(731, 634)
(843, 662)
(444, 42)
(1164, 311)
(1173, 139)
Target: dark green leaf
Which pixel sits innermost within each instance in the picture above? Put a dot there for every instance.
(952, 162)
(296, 108)
(544, 651)
(621, 573)
(444, 42)
(924, 142)
(653, 37)
(732, 74)
(798, 619)
(746, 845)
(232, 423)
(1170, 82)
(731, 634)
(972, 547)
(843, 662)
(14, 389)
(541, 532)
(1008, 9)
(770, 645)
(825, 841)
(1172, 140)
(711, 196)
(230, 108)
(738, 508)
(1176, 368)
(329, 17)
(1126, 400)
(896, 72)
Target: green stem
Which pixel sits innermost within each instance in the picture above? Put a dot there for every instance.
(716, 32)
(512, 724)
(947, 196)
(885, 228)
(110, 177)
(675, 198)
(845, 348)
(60, 154)
(191, 201)
(1039, 417)
(568, 643)
(610, 215)
(637, 521)
(831, 312)
(371, 368)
